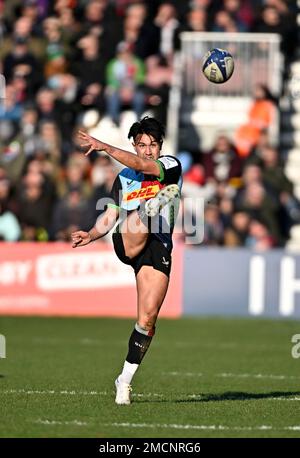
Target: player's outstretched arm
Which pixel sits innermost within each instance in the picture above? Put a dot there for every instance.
(103, 225)
(148, 166)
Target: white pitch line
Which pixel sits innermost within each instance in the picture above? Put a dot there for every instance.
(75, 393)
(230, 375)
(184, 374)
(57, 422)
(47, 422)
(274, 398)
(204, 427)
(134, 395)
(64, 392)
(271, 376)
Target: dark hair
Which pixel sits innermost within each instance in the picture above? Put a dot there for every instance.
(149, 126)
(267, 93)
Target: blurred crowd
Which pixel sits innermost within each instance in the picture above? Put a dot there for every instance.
(248, 201)
(63, 58)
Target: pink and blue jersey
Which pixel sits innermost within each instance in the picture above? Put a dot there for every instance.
(131, 187)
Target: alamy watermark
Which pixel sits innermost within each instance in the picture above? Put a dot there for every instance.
(296, 348)
(187, 220)
(2, 346)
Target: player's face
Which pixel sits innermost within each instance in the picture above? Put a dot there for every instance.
(147, 147)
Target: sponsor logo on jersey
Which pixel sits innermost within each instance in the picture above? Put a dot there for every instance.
(169, 162)
(143, 193)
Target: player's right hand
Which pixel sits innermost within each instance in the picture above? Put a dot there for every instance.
(80, 238)
(90, 142)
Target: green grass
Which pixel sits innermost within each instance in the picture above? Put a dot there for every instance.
(57, 379)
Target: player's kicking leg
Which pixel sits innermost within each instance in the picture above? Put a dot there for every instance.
(134, 229)
(152, 287)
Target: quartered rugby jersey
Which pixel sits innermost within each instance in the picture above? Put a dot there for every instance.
(130, 187)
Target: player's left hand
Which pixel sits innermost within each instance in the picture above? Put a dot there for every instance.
(90, 142)
(80, 238)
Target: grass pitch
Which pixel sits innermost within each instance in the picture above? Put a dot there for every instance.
(201, 378)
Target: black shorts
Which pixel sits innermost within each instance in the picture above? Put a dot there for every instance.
(154, 254)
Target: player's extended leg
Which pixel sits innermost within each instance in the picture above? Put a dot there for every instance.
(152, 286)
(135, 227)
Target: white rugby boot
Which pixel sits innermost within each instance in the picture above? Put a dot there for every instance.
(123, 391)
(162, 198)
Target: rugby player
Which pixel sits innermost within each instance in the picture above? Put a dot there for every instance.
(146, 195)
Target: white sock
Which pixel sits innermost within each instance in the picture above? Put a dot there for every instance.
(128, 372)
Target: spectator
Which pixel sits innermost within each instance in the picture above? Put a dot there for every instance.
(279, 17)
(42, 164)
(74, 179)
(69, 24)
(262, 111)
(28, 130)
(71, 213)
(158, 81)
(93, 18)
(213, 227)
(276, 181)
(255, 156)
(209, 6)
(22, 28)
(45, 99)
(89, 69)
(237, 233)
(226, 210)
(103, 176)
(125, 79)
(241, 13)
(56, 52)
(225, 22)
(22, 61)
(35, 207)
(64, 89)
(30, 9)
(261, 115)
(12, 156)
(196, 20)
(222, 163)
(6, 201)
(11, 109)
(261, 206)
(252, 174)
(4, 26)
(273, 172)
(142, 35)
(259, 238)
(166, 20)
(10, 230)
